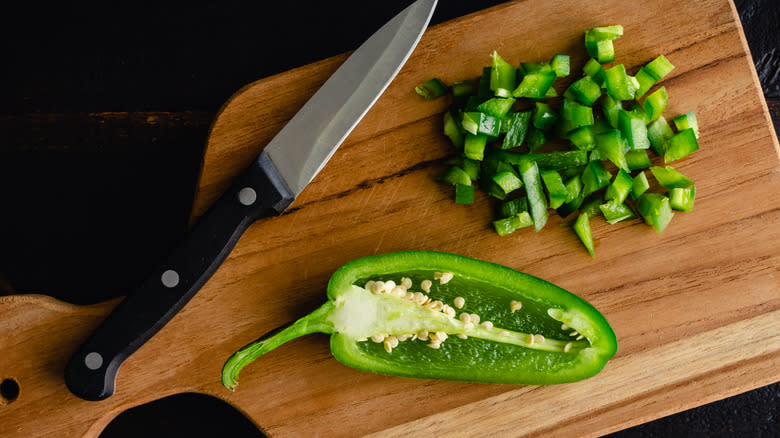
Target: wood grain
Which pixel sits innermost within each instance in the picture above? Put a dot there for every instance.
(695, 309)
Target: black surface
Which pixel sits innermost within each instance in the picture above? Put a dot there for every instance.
(93, 194)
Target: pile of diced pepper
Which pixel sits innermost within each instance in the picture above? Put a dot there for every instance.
(504, 127)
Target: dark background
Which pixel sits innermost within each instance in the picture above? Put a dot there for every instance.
(103, 117)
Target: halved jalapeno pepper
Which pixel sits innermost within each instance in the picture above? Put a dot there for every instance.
(443, 316)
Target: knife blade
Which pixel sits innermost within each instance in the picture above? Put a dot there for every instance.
(266, 188)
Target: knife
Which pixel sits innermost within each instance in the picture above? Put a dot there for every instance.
(266, 188)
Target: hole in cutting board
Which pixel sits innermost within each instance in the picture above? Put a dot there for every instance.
(191, 415)
(9, 390)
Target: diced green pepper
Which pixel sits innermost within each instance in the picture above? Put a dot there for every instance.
(659, 133)
(687, 121)
(518, 127)
(594, 177)
(582, 229)
(638, 159)
(464, 194)
(681, 199)
(577, 114)
(560, 64)
(513, 207)
(582, 138)
(512, 223)
(453, 130)
(655, 104)
(503, 77)
(591, 206)
(611, 108)
(535, 84)
(682, 144)
(615, 212)
(431, 89)
(497, 107)
(670, 178)
(543, 116)
(376, 328)
(556, 190)
(481, 123)
(537, 202)
(508, 181)
(474, 146)
(633, 129)
(603, 51)
(455, 175)
(655, 210)
(535, 139)
(471, 167)
(620, 188)
(612, 32)
(535, 67)
(594, 69)
(611, 146)
(574, 187)
(551, 160)
(645, 81)
(640, 185)
(659, 67)
(584, 90)
(617, 83)
(462, 89)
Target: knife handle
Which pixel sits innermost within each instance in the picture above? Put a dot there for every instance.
(259, 192)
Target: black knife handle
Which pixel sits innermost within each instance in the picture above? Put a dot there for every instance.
(259, 192)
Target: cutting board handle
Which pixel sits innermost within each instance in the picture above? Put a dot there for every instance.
(258, 192)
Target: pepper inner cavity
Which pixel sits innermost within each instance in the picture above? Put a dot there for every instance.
(431, 311)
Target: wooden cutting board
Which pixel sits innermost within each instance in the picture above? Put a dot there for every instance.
(696, 309)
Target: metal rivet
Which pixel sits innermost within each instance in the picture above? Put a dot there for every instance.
(93, 360)
(247, 196)
(170, 278)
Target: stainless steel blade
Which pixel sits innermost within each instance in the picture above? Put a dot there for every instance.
(303, 147)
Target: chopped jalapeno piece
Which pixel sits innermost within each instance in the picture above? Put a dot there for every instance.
(537, 202)
(659, 133)
(594, 69)
(584, 90)
(474, 146)
(615, 212)
(557, 191)
(655, 104)
(620, 188)
(453, 130)
(518, 128)
(582, 228)
(594, 177)
(544, 117)
(670, 178)
(611, 108)
(508, 181)
(512, 223)
(618, 84)
(640, 185)
(535, 84)
(503, 77)
(431, 89)
(455, 175)
(582, 138)
(655, 210)
(634, 130)
(464, 194)
(497, 107)
(513, 207)
(611, 146)
(480, 123)
(638, 159)
(681, 145)
(535, 139)
(560, 64)
(686, 121)
(681, 199)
